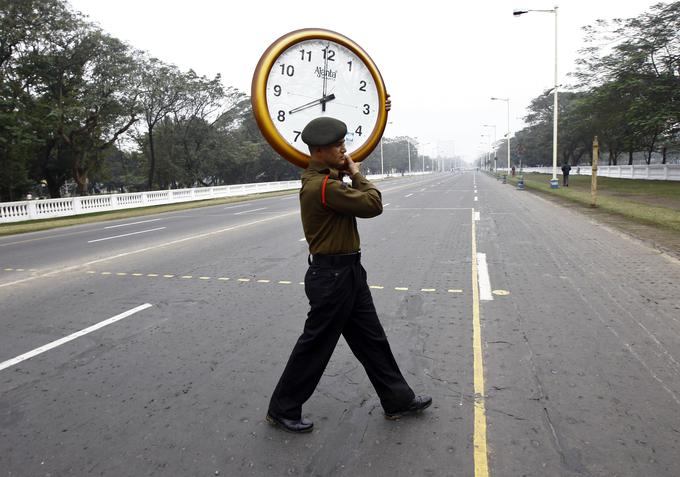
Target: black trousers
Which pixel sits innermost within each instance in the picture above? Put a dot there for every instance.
(341, 304)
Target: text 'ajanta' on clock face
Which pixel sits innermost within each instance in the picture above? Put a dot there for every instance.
(316, 78)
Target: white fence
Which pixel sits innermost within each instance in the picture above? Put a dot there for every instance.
(51, 208)
(659, 172)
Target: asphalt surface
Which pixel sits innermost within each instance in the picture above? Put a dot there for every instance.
(581, 343)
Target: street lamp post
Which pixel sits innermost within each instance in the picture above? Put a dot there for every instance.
(494, 141)
(382, 168)
(408, 145)
(488, 149)
(507, 103)
(553, 181)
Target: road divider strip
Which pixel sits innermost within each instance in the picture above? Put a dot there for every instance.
(481, 462)
(73, 336)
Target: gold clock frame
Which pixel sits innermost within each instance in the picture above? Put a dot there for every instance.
(258, 95)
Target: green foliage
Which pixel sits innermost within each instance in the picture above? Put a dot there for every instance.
(629, 81)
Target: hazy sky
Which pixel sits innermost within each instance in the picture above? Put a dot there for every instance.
(441, 60)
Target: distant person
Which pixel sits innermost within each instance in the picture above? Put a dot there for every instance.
(335, 284)
(565, 174)
(513, 171)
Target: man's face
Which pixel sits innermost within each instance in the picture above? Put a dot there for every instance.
(333, 155)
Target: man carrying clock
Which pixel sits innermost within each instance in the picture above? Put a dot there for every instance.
(335, 283)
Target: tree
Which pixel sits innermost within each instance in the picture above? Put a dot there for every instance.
(639, 58)
(26, 27)
(163, 90)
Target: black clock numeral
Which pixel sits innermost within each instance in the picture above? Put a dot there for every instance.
(358, 131)
(287, 70)
(309, 55)
(367, 109)
(277, 90)
(328, 53)
(363, 86)
(297, 135)
(350, 65)
(282, 116)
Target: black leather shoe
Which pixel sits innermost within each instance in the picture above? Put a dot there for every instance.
(298, 426)
(418, 404)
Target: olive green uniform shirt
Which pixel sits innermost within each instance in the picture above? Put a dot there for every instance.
(332, 228)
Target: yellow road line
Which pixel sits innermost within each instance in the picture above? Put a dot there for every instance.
(401, 288)
(152, 274)
(168, 276)
(428, 289)
(285, 282)
(137, 274)
(263, 281)
(204, 278)
(376, 287)
(244, 279)
(480, 453)
(455, 290)
(224, 279)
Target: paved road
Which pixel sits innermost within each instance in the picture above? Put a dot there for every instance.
(580, 343)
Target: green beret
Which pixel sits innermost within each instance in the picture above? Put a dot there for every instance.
(324, 131)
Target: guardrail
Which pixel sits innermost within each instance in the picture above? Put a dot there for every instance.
(659, 172)
(50, 208)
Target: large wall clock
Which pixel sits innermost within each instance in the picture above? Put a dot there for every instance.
(310, 73)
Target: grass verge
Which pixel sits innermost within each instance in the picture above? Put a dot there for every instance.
(649, 210)
(45, 224)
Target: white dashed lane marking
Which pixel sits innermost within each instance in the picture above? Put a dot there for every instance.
(131, 223)
(71, 337)
(126, 235)
(483, 278)
(248, 211)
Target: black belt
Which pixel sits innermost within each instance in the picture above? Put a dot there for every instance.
(335, 260)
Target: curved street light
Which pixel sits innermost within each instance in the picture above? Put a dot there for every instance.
(553, 181)
(507, 102)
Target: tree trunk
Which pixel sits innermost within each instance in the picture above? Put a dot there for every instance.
(630, 158)
(80, 176)
(663, 154)
(152, 158)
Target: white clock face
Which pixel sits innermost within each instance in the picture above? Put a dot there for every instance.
(316, 78)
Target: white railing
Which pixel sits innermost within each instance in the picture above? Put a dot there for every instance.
(51, 208)
(659, 172)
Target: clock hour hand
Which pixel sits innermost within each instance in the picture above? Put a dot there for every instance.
(321, 101)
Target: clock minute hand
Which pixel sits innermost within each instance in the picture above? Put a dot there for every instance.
(325, 76)
(321, 101)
